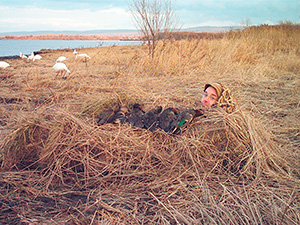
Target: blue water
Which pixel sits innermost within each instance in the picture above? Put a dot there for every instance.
(14, 47)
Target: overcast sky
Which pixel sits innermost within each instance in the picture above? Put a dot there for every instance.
(81, 15)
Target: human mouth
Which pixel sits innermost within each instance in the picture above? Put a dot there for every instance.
(204, 105)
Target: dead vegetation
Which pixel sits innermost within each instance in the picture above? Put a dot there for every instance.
(59, 167)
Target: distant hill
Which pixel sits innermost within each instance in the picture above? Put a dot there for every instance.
(212, 28)
(117, 32)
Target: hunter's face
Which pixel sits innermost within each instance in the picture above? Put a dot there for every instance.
(209, 97)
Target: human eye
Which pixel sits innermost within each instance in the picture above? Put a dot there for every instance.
(212, 98)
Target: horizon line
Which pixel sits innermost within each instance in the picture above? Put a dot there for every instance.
(106, 30)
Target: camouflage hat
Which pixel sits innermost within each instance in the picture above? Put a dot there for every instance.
(227, 101)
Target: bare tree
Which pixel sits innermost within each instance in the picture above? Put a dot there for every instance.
(246, 23)
(153, 18)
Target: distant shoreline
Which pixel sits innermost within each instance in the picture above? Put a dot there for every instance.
(94, 37)
(123, 34)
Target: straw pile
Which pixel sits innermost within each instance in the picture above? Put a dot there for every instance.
(59, 167)
(76, 172)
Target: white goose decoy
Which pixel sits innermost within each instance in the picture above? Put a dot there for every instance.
(61, 59)
(83, 56)
(22, 56)
(30, 57)
(61, 68)
(36, 57)
(4, 65)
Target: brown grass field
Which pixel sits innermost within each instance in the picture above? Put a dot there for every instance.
(59, 167)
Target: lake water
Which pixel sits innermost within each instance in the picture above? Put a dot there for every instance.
(14, 47)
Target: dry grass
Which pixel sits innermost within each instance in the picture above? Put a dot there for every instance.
(59, 167)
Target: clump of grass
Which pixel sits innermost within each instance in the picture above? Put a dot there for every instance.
(22, 146)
